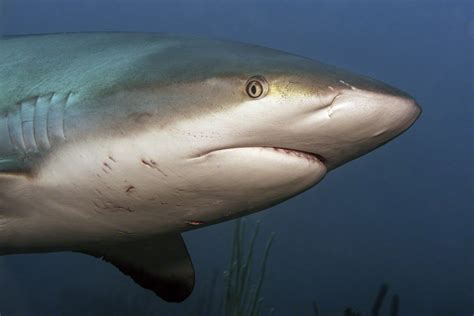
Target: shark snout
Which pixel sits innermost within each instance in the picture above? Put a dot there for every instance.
(384, 114)
(359, 121)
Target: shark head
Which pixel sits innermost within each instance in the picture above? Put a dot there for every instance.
(297, 108)
(206, 130)
(216, 129)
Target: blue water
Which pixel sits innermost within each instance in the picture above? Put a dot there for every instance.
(402, 214)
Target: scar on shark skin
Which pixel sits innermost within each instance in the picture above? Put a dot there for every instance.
(140, 117)
(195, 223)
(152, 164)
(130, 189)
(107, 166)
(348, 85)
(106, 169)
(111, 206)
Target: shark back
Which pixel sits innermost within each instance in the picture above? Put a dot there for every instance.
(43, 76)
(86, 64)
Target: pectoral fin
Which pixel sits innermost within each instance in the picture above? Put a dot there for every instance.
(160, 264)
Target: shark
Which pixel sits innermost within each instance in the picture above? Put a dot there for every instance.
(114, 144)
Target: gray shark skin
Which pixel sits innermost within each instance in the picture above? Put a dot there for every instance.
(112, 144)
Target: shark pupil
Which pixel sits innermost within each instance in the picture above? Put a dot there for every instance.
(255, 88)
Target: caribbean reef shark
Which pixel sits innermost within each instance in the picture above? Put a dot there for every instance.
(113, 144)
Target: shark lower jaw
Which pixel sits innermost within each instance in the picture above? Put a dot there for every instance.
(249, 179)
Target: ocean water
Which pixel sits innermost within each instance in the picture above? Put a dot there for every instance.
(401, 215)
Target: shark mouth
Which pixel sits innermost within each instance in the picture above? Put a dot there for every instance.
(295, 153)
(301, 154)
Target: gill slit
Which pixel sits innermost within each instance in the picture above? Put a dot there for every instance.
(33, 126)
(68, 97)
(17, 138)
(48, 119)
(48, 108)
(9, 127)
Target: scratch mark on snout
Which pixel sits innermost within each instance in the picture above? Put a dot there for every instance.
(130, 189)
(348, 85)
(330, 108)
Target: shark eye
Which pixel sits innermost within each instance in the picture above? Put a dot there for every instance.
(257, 87)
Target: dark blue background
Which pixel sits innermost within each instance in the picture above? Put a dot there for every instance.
(402, 214)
